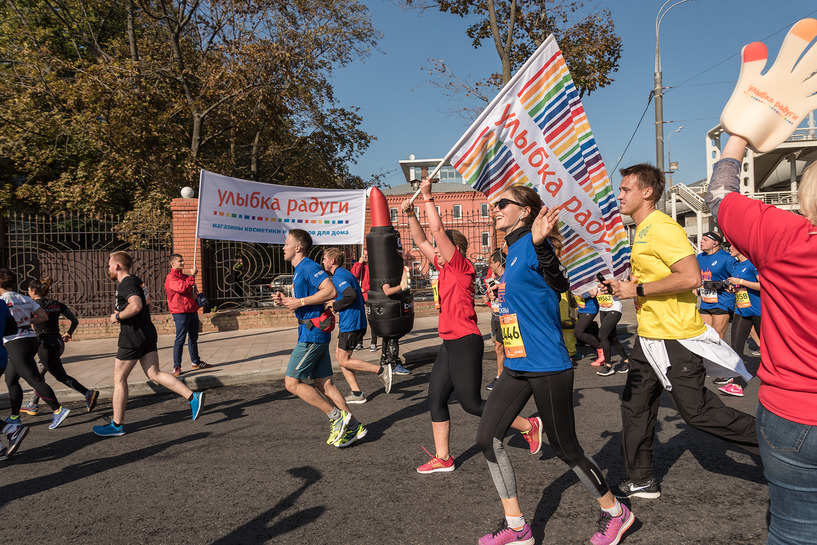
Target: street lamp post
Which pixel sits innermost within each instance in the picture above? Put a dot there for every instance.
(658, 92)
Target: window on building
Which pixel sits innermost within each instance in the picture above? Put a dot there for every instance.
(393, 215)
(457, 211)
(486, 239)
(437, 206)
(483, 209)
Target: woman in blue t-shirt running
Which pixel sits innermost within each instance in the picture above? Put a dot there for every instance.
(536, 364)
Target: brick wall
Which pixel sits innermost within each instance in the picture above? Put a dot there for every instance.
(185, 212)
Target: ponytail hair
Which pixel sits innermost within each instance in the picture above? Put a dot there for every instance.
(41, 287)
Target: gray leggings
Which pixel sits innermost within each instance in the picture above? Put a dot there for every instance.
(553, 395)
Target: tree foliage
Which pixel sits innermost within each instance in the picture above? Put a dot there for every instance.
(586, 37)
(114, 105)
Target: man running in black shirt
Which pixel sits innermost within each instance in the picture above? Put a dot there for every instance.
(137, 343)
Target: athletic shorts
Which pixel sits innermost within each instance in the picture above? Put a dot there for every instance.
(714, 311)
(496, 328)
(348, 340)
(125, 354)
(310, 360)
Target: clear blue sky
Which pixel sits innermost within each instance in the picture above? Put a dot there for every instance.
(409, 115)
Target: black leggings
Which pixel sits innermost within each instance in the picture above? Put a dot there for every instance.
(51, 348)
(609, 337)
(581, 332)
(21, 365)
(553, 395)
(458, 367)
(741, 328)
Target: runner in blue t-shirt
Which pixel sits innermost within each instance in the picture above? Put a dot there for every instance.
(310, 358)
(588, 309)
(352, 325)
(746, 285)
(717, 302)
(536, 364)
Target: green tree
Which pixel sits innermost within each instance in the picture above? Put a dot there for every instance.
(586, 37)
(114, 105)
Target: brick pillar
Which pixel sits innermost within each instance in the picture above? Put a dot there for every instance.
(185, 214)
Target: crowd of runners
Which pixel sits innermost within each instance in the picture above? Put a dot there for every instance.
(684, 303)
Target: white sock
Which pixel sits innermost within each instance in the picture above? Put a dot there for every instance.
(515, 522)
(614, 510)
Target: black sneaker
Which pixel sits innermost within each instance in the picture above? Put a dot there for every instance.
(15, 438)
(721, 381)
(648, 489)
(623, 368)
(606, 371)
(491, 385)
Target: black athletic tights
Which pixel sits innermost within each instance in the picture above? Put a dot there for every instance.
(51, 348)
(609, 336)
(581, 333)
(21, 365)
(458, 367)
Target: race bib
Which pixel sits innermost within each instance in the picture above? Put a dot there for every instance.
(512, 337)
(436, 291)
(742, 298)
(709, 296)
(605, 300)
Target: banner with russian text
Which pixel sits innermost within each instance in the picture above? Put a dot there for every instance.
(234, 209)
(535, 133)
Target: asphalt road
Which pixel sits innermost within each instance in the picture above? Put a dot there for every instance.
(255, 469)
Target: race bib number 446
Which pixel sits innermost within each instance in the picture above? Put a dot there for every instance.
(512, 336)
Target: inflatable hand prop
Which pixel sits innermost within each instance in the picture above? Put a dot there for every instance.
(766, 108)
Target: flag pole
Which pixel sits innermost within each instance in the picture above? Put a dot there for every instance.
(488, 109)
(198, 216)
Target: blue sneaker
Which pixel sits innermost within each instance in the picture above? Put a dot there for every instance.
(197, 403)
(109, 430)
(15, 438)
(58, 417)
(13, 420)
(400, 370)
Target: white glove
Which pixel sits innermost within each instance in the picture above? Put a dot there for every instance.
(766, 109)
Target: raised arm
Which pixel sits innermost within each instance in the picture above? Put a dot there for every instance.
(417, 233)
(435, 224)
(726, 173)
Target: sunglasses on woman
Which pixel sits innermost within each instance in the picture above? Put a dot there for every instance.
(502, 203)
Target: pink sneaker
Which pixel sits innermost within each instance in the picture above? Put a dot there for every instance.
(732, 389)
(504, 535)
(534, 436)
(612, 529)
(600, 361)
(436, 465)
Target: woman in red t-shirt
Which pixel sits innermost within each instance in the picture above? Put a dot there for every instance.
(458, 367)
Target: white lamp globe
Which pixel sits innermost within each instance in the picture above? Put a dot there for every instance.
(187, 192)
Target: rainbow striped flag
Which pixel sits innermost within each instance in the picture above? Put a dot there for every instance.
(535, 133)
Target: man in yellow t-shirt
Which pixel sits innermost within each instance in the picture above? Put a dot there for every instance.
(664, 271)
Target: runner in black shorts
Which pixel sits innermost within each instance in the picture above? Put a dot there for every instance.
(52, 344)
(137, 343)
(352, 325)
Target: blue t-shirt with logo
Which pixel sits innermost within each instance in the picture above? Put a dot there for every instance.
(308, 276)
(591, 305)
(529, 314)
(746, 271)
(353, 317)
(4, 315)
(716, 267)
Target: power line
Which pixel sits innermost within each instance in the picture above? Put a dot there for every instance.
(649, 101)
(736, 55)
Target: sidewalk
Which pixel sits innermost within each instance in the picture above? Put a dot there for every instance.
(239, 357)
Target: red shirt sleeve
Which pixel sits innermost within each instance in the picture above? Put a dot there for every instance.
(760, 231)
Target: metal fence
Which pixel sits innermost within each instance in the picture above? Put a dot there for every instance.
(73, 249)
(239, 274)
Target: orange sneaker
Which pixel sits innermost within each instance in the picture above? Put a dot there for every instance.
(436, 465)
(534, 436)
